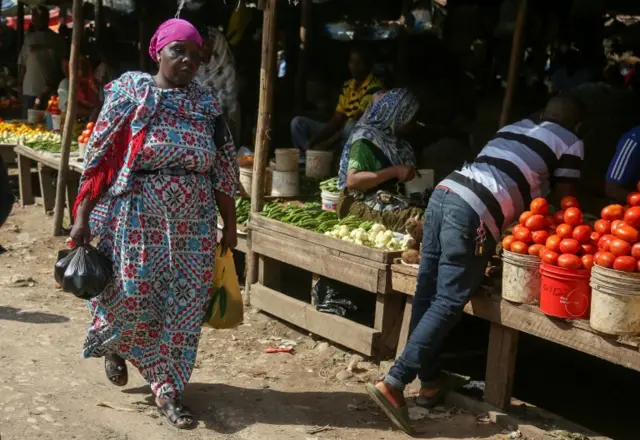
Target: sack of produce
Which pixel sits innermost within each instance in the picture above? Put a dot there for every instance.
(83, 271)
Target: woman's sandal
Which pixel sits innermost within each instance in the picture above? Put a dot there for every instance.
(174, 412)
(399, 416)
(116, 369)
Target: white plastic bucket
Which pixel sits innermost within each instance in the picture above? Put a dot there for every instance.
(330, 200)
(56, 121)
(246, 176)
(287, 159)
(82, 149)
(285, 184)
(615, 301)
(318, 165)
(423, 181)
(520, 278)
(35, 116)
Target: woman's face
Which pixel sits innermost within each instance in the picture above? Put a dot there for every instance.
(179, 62)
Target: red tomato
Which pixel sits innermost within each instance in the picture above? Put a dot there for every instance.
(619, 248)
(519, 247)
(569, 261)
(522, 234)
(564, 231)
(589, 249)
(90, 126)
(638, 185)
(540, 237)
(553, 243)
(569, 202)
(627, 233)
(605, 259)
(625, 264)
(559, 217)
(524, 217)
(633, 199)
(604, 242)
(506, 242)
(588, 261)
(80, 139)
(635, 251)
(549, 256)
(534, 249)
(573, 216)
(582, 233)
(602, 227)
(86, 133)
(612, 212)
(535, 223)
(632, 216)
(569, 246)
(615, 224)
(595, 236)
(539, 206)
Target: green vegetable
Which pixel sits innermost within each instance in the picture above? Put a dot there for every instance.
(330, 185)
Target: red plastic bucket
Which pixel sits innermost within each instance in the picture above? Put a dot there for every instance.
(565, 293)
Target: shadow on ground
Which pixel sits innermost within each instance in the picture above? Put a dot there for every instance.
(223, 408)
(13, 314)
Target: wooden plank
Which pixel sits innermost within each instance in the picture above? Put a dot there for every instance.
(501, 363)
(52, 160)
(334, 328)
(404, 328)
(24, 179)
(318, 260)
(365, 252)
(72, 183)
(517, 57)
(529, 319)
(46, 187)
(8, 154)
(388, 320)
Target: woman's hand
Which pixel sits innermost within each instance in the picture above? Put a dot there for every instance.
(229, 239)
(81, 233)
(404, 173)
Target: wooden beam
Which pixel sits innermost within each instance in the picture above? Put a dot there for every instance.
(20, 25)
(69, 121)
(306, 26)
(501, 363)
(98, 18)
(263, 135)
(517, 54)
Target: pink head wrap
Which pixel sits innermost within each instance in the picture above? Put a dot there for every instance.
(170, 31)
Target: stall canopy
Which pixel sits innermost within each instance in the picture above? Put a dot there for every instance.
(9, 8)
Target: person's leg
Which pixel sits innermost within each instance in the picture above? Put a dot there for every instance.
(27, 103)
(304, 129)
(459, 273)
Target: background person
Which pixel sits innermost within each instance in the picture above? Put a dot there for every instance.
(308, 134)
(39, 61)
(156, 177)
(468, 209)
(624, 169)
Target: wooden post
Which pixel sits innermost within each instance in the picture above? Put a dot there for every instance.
(74, 62)
(514, 65)
(20, 25)
(263, 135)
(306, 24)
(501, 362)
(403, 41)
(98, 19)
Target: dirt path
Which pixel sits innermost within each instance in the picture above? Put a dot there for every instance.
(49, 392)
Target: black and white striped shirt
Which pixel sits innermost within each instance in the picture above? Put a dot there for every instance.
(517, 165)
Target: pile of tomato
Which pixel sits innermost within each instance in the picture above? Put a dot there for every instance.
(53, 105)
(562, 239)
(618, 246)
(86, 134)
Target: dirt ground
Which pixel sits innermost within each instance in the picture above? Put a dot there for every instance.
(47, 391)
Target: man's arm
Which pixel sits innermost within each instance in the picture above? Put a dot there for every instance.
(623, 169)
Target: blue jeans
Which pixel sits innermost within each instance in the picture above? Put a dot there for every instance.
(304, 129)
(449, 273)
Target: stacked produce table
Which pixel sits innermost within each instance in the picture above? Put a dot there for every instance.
(507, 321)
(277, 243)
(48, 164)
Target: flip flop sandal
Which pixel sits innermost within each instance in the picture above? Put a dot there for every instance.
(399, 416)
(174, 412)
(430, 402)
(116, 370)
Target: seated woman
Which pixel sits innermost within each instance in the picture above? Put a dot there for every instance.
(377, 158)
(88, 97)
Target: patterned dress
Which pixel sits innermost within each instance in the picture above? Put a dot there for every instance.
(157, 222)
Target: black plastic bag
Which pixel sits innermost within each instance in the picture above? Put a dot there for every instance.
(83, 271)
(336, 298)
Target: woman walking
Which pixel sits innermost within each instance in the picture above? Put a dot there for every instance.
(159, 165)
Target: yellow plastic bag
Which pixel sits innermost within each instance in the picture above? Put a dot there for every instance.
(225, 308)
